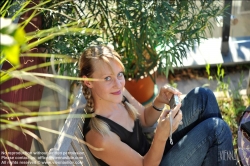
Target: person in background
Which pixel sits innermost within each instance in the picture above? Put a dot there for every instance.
(193, 133)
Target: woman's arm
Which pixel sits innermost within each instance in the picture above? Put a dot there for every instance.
(118, 153)
(148, 115)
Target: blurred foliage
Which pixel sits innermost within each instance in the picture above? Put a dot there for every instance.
(58, 14)
(11, 38)
(15, 43)
(68, 30)
(149, 35)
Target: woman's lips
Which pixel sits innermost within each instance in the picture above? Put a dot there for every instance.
(116, 93)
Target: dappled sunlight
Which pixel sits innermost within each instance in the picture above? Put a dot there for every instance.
(246, 52)
(196, 90)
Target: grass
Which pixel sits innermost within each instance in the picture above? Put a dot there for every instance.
(232, 109)
(232, 103)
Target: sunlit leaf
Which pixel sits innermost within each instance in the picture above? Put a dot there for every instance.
(5, 22)
(29, 113)
(33, 159)
(5, 75)
(12, 54)
(20, 36)
(13, 124)
(66, 77)
(5, 150)
(29, 77)
(6, 40)
(206, 85)
(33, 135)
(17, 87)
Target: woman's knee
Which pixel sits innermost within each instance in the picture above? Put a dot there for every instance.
(203, 96)
(199, 93)
(218, 126)
(203, 91)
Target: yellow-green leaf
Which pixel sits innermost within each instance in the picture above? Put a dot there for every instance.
(20, 36)
(12, 54)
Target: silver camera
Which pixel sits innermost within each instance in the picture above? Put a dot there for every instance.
(173, 101)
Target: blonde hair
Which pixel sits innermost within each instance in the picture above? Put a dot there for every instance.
(86, 67)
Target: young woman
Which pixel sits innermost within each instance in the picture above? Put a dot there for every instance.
(201, 139)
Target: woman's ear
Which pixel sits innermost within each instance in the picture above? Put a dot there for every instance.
(87, 83)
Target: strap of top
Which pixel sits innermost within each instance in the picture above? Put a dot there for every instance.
(124, 99)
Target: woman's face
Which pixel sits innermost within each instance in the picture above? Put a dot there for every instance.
(112, 74)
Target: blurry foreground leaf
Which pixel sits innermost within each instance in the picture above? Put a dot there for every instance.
(12, 54)
(12, 37)
(33, 159)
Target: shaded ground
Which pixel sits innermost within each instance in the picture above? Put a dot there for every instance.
(195, 73)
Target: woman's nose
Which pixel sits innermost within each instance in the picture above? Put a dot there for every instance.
(118, 82)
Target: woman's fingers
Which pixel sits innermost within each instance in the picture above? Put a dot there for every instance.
(175, 111)
(165, 94)
(178, 117)
(169, 91)
(176, 114)
(164, 123)
(164, 114)
(172, 90)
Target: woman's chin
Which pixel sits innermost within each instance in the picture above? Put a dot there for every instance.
(118, 99)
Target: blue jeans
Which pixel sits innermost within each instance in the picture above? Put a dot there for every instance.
(204, 138)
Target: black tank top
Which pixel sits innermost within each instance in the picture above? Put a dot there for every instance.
(135, 139)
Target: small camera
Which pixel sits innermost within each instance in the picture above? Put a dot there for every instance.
(173, 101)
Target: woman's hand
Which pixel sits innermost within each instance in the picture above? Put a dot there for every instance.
(164, 125)
(166, 93)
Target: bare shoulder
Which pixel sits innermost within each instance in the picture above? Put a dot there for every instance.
(97, 140)
(114, 152)
(93, 134)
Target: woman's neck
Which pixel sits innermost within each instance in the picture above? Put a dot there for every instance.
(108, 110)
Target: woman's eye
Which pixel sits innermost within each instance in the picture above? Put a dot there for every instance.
(121, 74)
(107, 78)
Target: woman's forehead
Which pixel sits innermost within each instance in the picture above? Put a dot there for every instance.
(107, 67)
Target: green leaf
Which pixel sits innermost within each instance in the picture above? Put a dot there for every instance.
(222, 72)
(10, 30)
(20, 36)
(12, 54)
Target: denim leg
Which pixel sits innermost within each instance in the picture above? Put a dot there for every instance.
(203, 145)
(198, 105)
